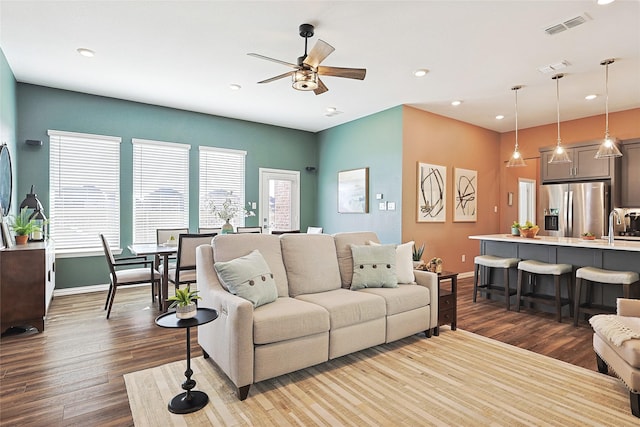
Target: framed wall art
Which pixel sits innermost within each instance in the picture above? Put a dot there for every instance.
(432, 185)
(465, 190)
(353, 191)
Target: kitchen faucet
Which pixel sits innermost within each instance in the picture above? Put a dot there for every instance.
(614, 213)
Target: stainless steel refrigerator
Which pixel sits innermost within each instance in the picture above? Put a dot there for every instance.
(568, 210)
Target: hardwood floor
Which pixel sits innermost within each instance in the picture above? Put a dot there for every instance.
(72, 374)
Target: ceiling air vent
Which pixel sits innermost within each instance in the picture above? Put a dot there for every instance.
(567, 24)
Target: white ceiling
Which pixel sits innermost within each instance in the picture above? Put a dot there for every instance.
(185, 54)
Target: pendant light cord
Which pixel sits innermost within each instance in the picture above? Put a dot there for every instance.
(516, 118)
(606, 99)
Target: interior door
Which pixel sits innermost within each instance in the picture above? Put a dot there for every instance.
(279, 200)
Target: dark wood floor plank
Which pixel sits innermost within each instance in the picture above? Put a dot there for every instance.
(72, 374)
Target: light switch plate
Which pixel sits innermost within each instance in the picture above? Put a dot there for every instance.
(391, 206)
(382, 206)
(378, 196)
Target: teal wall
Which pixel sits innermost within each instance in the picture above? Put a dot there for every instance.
(41, 108)
(375, 142)
(8, 118)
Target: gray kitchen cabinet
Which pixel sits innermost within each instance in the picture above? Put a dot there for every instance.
(584, 165)
(630, 174)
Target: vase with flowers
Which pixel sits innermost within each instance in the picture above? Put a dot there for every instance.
(227, 211)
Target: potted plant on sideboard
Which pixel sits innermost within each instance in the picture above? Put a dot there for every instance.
(417, 255)
(22, 226)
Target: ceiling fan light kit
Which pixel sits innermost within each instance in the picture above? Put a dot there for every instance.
(305, 76)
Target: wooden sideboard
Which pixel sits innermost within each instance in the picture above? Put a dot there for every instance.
(27, 280)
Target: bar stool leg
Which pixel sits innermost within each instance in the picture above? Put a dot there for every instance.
(476, 273)
(556, 283)
(507, 293)
(576, 303)
(569, 280)
(519, 290)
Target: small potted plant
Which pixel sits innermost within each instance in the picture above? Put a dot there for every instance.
(184, 302)
(515, 228)
(417, 255)
(22, 226)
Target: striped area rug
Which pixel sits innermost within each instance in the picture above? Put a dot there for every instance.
(455, 379)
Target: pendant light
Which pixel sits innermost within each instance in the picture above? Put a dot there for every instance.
(516, 159)
(608, 146)
(559, 155)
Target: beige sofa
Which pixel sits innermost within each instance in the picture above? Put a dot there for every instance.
(316, 317)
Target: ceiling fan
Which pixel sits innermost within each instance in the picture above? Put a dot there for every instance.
(305, 75)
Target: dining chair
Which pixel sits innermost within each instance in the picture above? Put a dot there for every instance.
(208, 230)
(128, 276)
(257, 229)
(284, 231)
(314, 230)
(163, 235)
(184, 272)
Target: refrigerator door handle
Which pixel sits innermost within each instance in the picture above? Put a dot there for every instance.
(570, 215)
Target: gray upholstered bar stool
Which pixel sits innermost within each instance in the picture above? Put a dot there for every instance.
(490, 262)
(532, 269)
(598, 275)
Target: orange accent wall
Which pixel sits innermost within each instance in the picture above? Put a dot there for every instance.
(430, 138)
(434, 139)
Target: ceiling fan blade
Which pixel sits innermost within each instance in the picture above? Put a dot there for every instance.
(349, 73)
(288, 64)
(319, 52)
(321, 88)
(281, 76)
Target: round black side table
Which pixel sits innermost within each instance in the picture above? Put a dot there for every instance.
(189, 401)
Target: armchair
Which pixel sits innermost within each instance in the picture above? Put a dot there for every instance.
(616, 342)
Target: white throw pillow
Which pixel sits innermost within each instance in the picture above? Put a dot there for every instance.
(404, 261)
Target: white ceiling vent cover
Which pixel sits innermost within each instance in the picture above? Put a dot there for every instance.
(567, 24)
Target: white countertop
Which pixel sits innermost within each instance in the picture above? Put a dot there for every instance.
(618, 245)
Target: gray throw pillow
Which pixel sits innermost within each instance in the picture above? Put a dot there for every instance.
(248, 277)
(374, 266)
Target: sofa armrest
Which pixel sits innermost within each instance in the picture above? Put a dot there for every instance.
(228, 340)
(628, 307)
(430, 281)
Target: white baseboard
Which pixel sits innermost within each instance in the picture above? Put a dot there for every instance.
(80, 290)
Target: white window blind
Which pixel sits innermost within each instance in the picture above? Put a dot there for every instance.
(221, 177)
(160, 188)
(84, 190)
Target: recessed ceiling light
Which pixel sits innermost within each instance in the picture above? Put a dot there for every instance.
(590, 97)
(331, 109)
(456, 103)
(85, 52)
(234, 86)
(500, 117)
(420, 73)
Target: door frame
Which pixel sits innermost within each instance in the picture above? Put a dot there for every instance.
(268, 173)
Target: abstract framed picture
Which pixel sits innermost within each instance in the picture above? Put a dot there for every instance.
(465, 188)
(432, 186)
(353, 191)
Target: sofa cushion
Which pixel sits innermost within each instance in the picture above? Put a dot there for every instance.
(347, 307)
(311, 263)
(374, 266)
(288, 318)
(248, 277)
(230, 246)
(404, 261)
(343, 242)
(405, 297)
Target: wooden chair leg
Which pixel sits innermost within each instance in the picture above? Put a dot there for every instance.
(576, 302)
(106, 303)
(113, 296)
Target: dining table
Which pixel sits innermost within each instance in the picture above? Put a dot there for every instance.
(163, 251)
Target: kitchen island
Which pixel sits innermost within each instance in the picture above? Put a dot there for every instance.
(620, 255)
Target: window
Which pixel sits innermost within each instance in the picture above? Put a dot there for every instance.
(84, 190)
(221, 177)
(160, 188)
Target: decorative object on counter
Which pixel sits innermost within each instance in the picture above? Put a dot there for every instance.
(22, 225)
(560, 155)
(515, 228)
(184, 302)
(35, 212)
(171, 241)
(417, 255)
(435, 265)
(608, 148)
(588, 236)
(432, 186)
(465, 194)
(529, 230)
(516, 159)
(228, 211)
